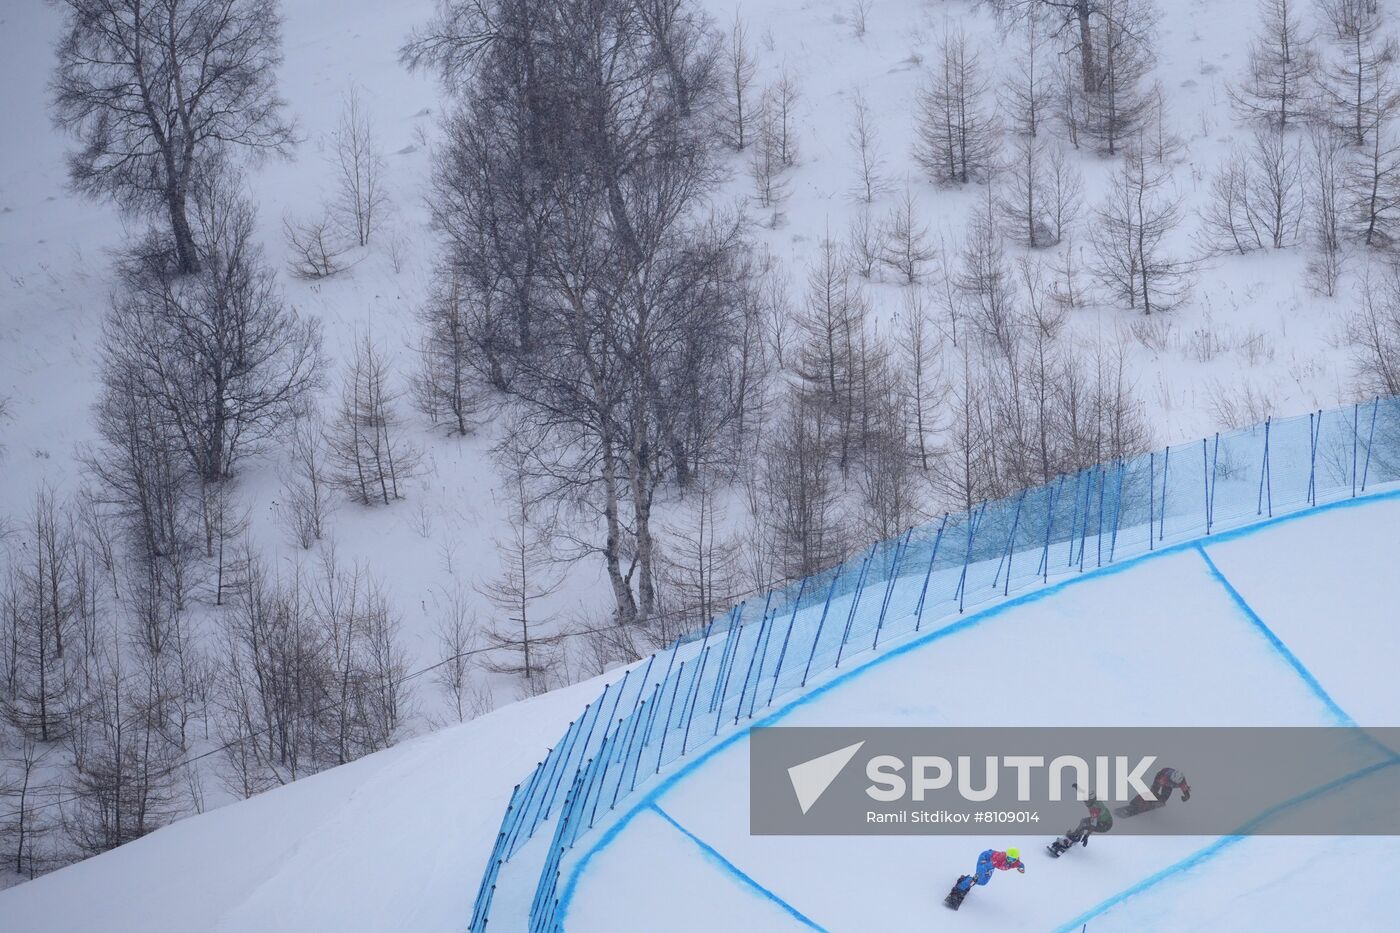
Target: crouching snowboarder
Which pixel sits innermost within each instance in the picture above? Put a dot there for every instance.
(1099, 820)
(1166, 781)
(988, 862)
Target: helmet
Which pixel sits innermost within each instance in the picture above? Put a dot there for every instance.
(1176, 777)
(1013, 852)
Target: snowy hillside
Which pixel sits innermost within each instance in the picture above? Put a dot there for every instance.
(431, 573)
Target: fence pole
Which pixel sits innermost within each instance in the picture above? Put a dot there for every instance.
(638, 715)
(1044, 568)
(736, 634)
(1214, 477)
(536, 780)
(1084, 525)
(928, 574)
(758, 677)
(685, 738)
(967, 555)
(727, 670)
(1117, 511)
(1151, 498)
(1011, 543)
(822, 622)
(1314, 435)
(1355, 412)
(597, 711)
(1370, 439)
(889, 587)
(567, 745)
(782, 653)
(600, 764)
(1166, 464)
(1074, 519)
(1264, 480)
(744, 687)
(646, 736)
(855, 601)
(1098, 532)
(671, 708)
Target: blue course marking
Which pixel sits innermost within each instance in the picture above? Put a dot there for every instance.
(646, 801)
(1220, 845)
(713, 855)
(1278, 644)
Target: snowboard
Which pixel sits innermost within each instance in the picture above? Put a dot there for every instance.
(955, 897)
(1129, 810)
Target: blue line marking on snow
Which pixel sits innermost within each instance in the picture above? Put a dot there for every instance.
(1220, 845)
(1278, 644)
(713, 855)
(577, 871)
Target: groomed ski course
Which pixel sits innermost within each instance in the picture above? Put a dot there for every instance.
(1289, 622)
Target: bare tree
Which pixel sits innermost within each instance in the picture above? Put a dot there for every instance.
(1358, 85)
(218, 355)
(1372, 184)
(1116, 106)
(156, 92)
(860, 16)
(801, 497)
(306, 482)
(984, 277)
(370, 456)
(124, 777)
(456, 639)
(362, 198)
(527, 577)
(766, 164)
(1257, 198)
(864, 242)
(29, 799)
(924, 384)
(1064, 193)
(739, 70)
(955, 133)
(833, 325)
(1025, 201)
(447, 386)
(1325, 199)
(906, 248)
(782, 100)
(1129, 235)
(622, 320)
(317, 250)
(700, 567)
(1373, 329)
(1026, 95)
(864, 140)
(1278, 83)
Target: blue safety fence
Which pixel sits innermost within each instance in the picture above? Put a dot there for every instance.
(681, 698)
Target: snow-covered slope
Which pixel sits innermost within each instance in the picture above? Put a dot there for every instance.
(393, 841)
(397, 840)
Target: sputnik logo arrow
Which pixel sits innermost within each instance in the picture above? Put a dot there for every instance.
(811, 778)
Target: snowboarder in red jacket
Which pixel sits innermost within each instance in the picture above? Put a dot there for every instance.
(988, 862)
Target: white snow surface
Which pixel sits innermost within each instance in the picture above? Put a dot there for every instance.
(394, 841)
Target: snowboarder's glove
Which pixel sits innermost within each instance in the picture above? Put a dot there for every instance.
(1185, 796)
(1021, 869)
(1085, 840)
